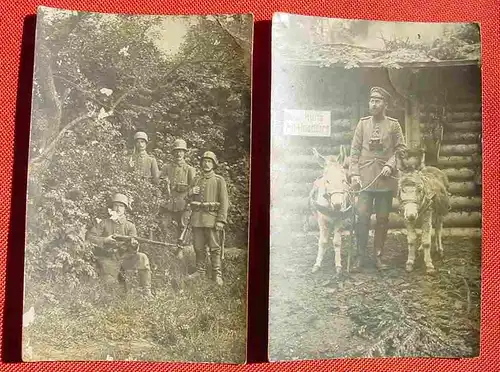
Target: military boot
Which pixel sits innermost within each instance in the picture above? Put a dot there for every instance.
(145, 282)
(363, 229)
(381, 228)
(217, 268)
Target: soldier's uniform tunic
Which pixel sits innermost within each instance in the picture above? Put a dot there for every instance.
(208, 207)
(181, 177)
(116, 260)
(144, 165)
(375, 145)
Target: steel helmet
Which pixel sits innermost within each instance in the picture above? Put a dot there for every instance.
(180, 144)
(120, 198)
(210, 155)
(141, 135)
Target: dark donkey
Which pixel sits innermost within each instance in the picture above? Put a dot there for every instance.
(423, 196)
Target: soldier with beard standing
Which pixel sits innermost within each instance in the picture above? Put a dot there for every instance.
(378, 141)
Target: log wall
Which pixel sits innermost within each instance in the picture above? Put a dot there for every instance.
(294, 169)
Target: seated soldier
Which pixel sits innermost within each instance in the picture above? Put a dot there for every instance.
(118, 257)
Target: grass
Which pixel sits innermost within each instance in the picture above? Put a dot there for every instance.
(197, 321)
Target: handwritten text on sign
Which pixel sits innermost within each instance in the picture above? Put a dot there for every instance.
(307, 123)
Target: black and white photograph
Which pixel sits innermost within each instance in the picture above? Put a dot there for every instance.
(375, 215)
(138, 188)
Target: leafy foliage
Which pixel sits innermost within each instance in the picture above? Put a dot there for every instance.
(98, 79)
(339, 42)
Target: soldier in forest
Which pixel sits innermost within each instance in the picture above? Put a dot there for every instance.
(377, 144)
(209, 206)
(140, 162)
(178, 177)
(116, 248)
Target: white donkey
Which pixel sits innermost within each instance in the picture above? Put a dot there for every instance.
(329, 200)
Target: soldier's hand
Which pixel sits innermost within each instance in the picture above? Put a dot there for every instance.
(195, 190)
(109, 239)
(134, 242)
(219, 226)
(355, 180)
(386, 171)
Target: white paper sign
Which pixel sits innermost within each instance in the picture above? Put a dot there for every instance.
(309, 123)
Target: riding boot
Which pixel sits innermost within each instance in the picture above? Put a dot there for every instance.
(363, 229)
(381, 228)
(216, 267)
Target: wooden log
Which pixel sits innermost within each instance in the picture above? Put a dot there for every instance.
(396, 221)
(465, 115)
(458, 204)
(460, 174)
(296, 189)
(457, 161)
(306, 175)
(463, 126)
(460, 138)
(291, 152)
(337, 138)
(452, 219)
(464, 188)
(456, 232)
(300, 204)
(456, 107)
(460, 150)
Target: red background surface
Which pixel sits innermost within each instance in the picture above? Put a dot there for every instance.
(16, 57)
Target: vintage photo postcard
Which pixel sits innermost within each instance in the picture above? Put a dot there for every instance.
(375, 189)
(138, 188)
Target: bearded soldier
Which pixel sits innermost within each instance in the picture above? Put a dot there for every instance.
(209, 215)
(179, 177)
(119, 259)
(141, 162)
(378, 141)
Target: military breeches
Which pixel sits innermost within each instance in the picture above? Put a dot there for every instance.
(383, 204)
(119, 269)
(203, 237)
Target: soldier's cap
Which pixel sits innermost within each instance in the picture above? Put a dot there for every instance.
(210, 155)
(120, 198)
(378, 92)
(180, 144)
(141, 135)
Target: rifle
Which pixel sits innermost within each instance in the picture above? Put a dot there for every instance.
(142, 240)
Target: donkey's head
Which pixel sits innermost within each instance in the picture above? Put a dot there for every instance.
(334, 177)
(410, 194)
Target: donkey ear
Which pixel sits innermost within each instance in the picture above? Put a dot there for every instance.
(319, 158)
(341, 155)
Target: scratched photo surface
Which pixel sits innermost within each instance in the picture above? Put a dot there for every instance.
(138, 188)
(375, 189)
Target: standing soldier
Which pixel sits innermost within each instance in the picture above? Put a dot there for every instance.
(140, 161)
(118, 257)
(209, 215)
(378, 141)
(179, 177)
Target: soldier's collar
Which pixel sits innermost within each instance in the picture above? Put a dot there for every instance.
(209, 174)
(121, 220)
